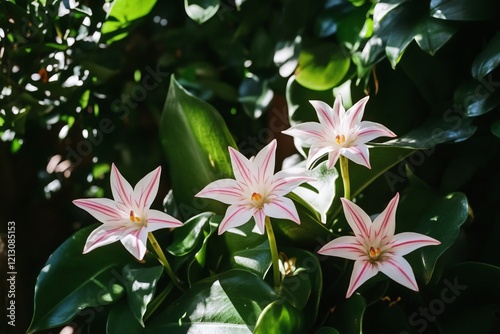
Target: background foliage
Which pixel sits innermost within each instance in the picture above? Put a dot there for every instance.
(84, 84)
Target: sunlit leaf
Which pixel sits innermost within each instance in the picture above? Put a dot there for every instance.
(464, 10)
(279, 317)
(488, 59)
(201, 11)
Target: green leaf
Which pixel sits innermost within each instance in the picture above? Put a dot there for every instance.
(488, 59)
(464, 10)
(431, 34)
(195, 139)
(122, 15)
(303, 285)
(348, 315)
(140, 283)
(230, 302)
(279, 317)
(495, 128)
(201, 11)
(327, 330)
(189, 235)
(121, 320)
(254, 96)
(477, 98)
(256, 260)
(322, 67)
(424, 211)
(71, 281)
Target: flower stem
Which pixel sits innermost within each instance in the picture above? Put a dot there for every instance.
(274, 253)
(163, 260)
(344, 170)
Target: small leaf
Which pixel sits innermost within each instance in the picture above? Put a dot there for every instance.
(71, 281)
(189, 235)
(464, 10)
(322, 67)
(279, 317)
(423, 211)
(431, 34)
(477, 98)
(195, 140)
(140, 283)
(254, 96)
(256, 260)
(201, 11)
(488, 59)
(230, 302)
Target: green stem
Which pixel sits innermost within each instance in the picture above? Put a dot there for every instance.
(274, 253)
(163, 260)
(157, 301)
(344, 170)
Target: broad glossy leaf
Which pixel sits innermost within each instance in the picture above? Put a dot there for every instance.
(201, 11)
(255, 96)
(303, 285)
(322, 67)
(121, 320)
(140, 283)
(348, 315)
(230, 302)
(464, 10)
(488, 59)
(195, 139)
(280, 317)
(189, 235)
(71, 281)
(123, 13)
(431, 34)
(424, 211)
(477, 98)
(256, 259)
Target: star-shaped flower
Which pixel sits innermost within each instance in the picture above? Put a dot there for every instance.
(338, 132)
(256, 191)
(375, 248)
(128, 217)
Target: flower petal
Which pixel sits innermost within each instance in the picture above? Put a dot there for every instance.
(338, 111)
(308, 132)
(358, 154)
(158, 220)
(407, 242)
(265, 160)
(325, 113)
(146, 189)
(317, 152)
(236, 215)
(346, 247)
(332, 159)
(362, 272)
(102, 236)
(283, 208)
(259, 216)
(122, 190)
(242, 167)
(103, 209)
(135, 242)
(354, 114)
(225, 190)
(371, 130)
(359, 221)
(287, 180)
(385, 223)
(399, 270)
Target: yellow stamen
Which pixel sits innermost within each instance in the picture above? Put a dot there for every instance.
(256, 197)
(134, 218)
(374, 253)
(340, 139)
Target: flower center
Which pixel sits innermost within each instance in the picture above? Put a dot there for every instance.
(257, 199)
(340, 139)
(374, 253)
(134, 218)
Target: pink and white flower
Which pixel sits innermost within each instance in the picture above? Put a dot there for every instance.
(256, 191)
(128, 217)
(374, 247)
(339, 132)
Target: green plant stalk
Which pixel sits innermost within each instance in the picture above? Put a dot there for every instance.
(163, 260)
(274, 253)
(344, 170)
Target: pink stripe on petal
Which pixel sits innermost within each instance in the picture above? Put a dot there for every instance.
(102, 236)
(385, 223)
(146, 189)
(355, 113)
(323, 112)
(240, 168)
(236, 215)
(345, 247)
(399, 270)
(121, 189)
(356, 218)
(358, 154)
(283, 208)
(406, 242)
(362, 271)
(103, 209)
